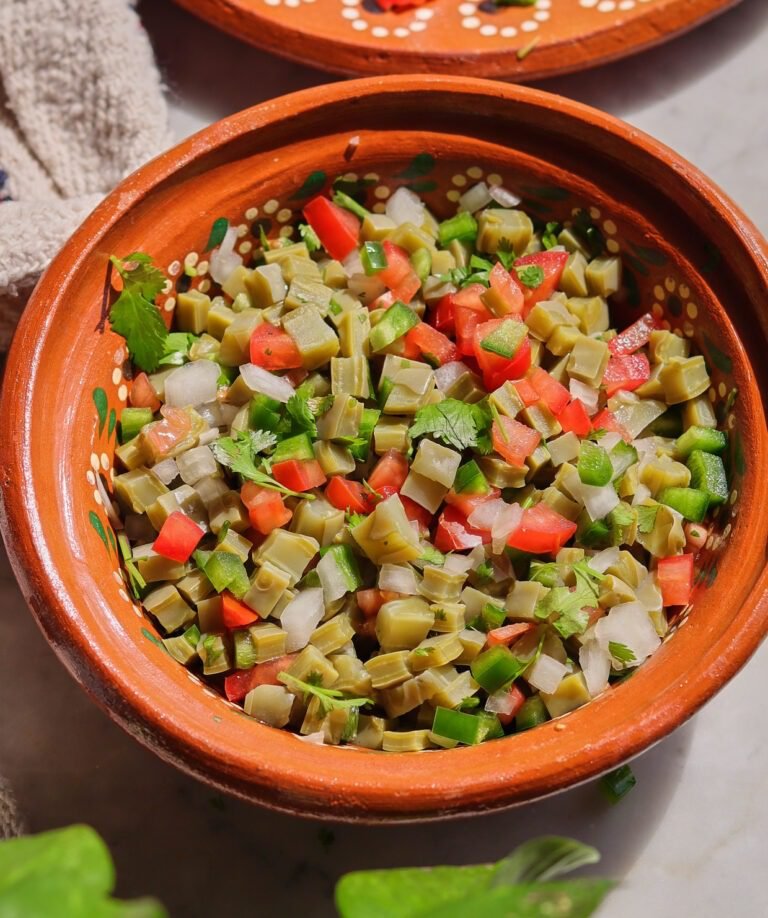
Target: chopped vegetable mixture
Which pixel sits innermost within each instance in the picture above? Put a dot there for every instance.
(402, 484)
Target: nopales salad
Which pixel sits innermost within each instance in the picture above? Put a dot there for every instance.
(402, 484)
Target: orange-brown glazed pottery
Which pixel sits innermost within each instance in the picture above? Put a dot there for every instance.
(475, 37)
(691, 256)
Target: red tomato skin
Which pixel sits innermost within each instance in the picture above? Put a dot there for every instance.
(508, 634)
(370, 601)
(443, 317)
(455, 534)
(178, 537)
(626, 372)
(382, 302)
(607, 421)
(337, 228)
(399, 275)
(508, 288)
(416, 513)
(236, 614)
(348, 495)
(389, 472)
(266, 509)
(635, 336)
(525, 390)
(675, 577)
(553, 265)
(273, 349)
(519, 699)
(574, 419)
(513, 440)
(298, 474)
(142, 395)
(554, 395)
(467, 503)
(541, 531)
(428, 342)
(238, 684)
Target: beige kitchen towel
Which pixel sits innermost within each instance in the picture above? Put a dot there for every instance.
(81, 106)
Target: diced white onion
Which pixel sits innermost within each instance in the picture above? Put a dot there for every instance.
(609, 440)
(209, 413)
(629, 624)
(167, 470)
(506, 521)
(599, 501)
(587, 395)
(260, 380)
(595, 663)
(642, 492)
(398, 578)
(314, 739)
(224, 260)
(475, 198)
(332, 578)
(564, 448)
(301, 616)
(446, 375)
(484, 514)
(193, 384)
(208, 436)
(546, 674)
(415, 525)
(477, 556)
(649, 594)
(645, 445)
(458, 564)
(502, 702)
(195, 464)
(501, 196)
(414, 379)
(227, 414)
(352, 264)
(604, 559)
(405, 207)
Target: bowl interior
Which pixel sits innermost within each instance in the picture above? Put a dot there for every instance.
(684, 260)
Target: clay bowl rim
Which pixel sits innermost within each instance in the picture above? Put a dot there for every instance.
(380, 797)
(342, 53)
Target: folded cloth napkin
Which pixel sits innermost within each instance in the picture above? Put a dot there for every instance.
(81, 106)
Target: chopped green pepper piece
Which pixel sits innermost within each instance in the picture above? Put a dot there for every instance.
(532, 713)
(708, 475)
(131, 422)
(690, 502)
(506, 339)
(347, 564)
(373, 257)
(469, 729)
(494, 668)
(226, 572)
(422, 263)
(704, 439)
(463, 227)
(264, 413)
(395, 322)
(594, 465)
(298, 447)
(470, 480)
(622, 456)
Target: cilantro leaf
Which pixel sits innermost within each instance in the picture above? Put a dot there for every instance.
(571, 603)
(549, 236)
(309, 237)
(646, 518)
(134, 314)
(531, 276)
(354, 519)
(457, 424)
(330, 699)
(505, 253)
(300, 413)
(238, 454)
(621, 652)
(432, 555)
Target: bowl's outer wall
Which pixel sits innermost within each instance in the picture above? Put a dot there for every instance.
(47, 429)
(571, 41)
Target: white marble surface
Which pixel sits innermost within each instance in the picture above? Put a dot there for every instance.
(690, 838)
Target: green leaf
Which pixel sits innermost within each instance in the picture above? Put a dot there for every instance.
(421, 164)
(432, 555)
(67, 873)
(621, 652)
(218, 232)
(298, 410)
(309, 237)
(646, 518)
(313, 184)
(452, 421)
(134, 314)
(99, 527)
(544, 859)
(572, 899)
(549, 235)
(570, 603)
(100, 401)
(330, 699)
(238, 454)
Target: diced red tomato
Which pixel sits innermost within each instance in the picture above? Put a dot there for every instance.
(455, 534)
(467, 503)
(508, 290)
(370, 601)
(634, 337)
(236, 614)
(494, 365)
(337, 228)
(513, 440)
(266, 509)
(238, 684)
(528, 395)
(296, 377)
(165, 435)
(516, 699)
(390, 471)
(443, 318)
(469, 311)
(431, 345)
(508, 634)
(178, 537)
(696, 536)
(606, 420)
(519, 365)
(348, 495)
(552, 264)
(626, 372)
(542, 531)
(574, 419)
(382, 302)
(675, 577)
(399, 275)
(273, 349)
(554, 395)
(299, 474)
(416, 513)
(142, 395)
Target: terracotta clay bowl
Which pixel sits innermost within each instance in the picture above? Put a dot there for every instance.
(691, 257)
(477, 37)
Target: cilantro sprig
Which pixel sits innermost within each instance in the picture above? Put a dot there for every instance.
(329, 699)
(134, 314)
(459, 425)
(621, 652)
(569, 604)
(239, 453)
